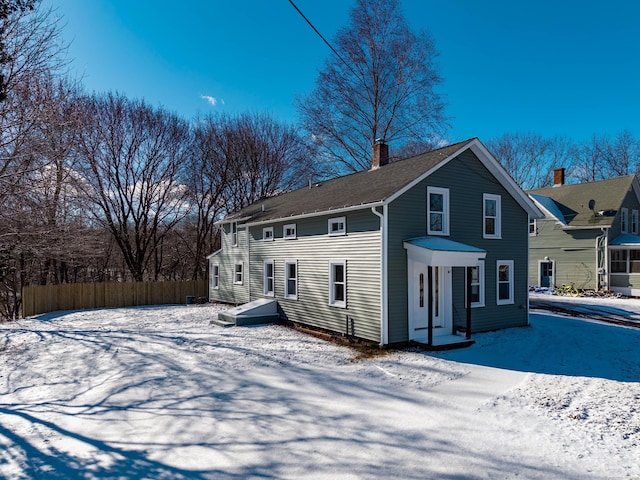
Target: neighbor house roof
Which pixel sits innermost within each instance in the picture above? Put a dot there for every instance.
(371, 187)
(584, 205)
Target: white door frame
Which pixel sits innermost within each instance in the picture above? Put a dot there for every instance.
(419, 301)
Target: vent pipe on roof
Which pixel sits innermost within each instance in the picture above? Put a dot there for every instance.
(558, 177)
(380, 154)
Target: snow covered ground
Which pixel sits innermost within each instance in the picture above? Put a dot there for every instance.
(157, 392)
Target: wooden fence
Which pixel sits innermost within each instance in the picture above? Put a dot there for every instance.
(76, 296)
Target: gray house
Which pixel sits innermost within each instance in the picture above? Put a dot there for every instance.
(414, 250)
(588, 237)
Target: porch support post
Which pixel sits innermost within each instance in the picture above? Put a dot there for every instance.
(469, 273)
(430, 306)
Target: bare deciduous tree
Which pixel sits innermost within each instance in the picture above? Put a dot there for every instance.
(382, 85)
(133, 156)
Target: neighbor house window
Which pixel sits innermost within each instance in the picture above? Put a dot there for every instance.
(291, 279)
(238, 273)
(234, 234)
(634, 261)
(533, 227)
(338, 283)
(215, 276)
(625, 261)
(504, 280)
(624, 220)
(477, 285)
(437, 211)
(618, 261)
(289, 231)
(268, 277)
(267, 234)
(337, 226)
(634, 222)
(491, 216)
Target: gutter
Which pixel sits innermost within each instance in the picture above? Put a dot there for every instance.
(303, 215)
(384, 287)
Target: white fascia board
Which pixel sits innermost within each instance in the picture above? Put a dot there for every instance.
(321, 213)
(595, 227)
(636, 187)
(548, 212)
(213, 254)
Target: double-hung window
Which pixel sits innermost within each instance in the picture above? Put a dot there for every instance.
(437, 211)
(624, 220)
(214, 275)
(267, 234)
(477, 285)
(634, 222)
(291, 279)
(338, 283)
(234, 234)
(268, 277)
(533, 227)
(491, 212)
(504, 282)
(238, 273)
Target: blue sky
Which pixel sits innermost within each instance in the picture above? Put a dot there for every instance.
(565, 67)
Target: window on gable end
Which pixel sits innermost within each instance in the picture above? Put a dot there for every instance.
(492, 216)
(238, 273)
(437, 211)
(234, 234)
(634, 222)
(214, 275)
(624, 220)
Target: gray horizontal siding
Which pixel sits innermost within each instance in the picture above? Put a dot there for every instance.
(467, 180)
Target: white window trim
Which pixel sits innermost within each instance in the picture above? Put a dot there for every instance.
(234, 234)
(235, 273)
(533, 222)
(290, 236)
(510, 300)
(332, 301)
(634, 222)
(267, 231)
(498, 217)
(480, 303)
(215, 276)
(287, 295)
(445, 213)
(265, 278)
(343, 231)
(624, 220)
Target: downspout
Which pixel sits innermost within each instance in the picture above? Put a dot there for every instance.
(384, 307)
(248, 260)
(605, 258)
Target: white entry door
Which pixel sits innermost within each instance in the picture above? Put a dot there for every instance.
(442, 307)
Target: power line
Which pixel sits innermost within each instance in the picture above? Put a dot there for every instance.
(322, 37)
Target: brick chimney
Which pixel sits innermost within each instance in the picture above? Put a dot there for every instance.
(380, 154)
(558, 177)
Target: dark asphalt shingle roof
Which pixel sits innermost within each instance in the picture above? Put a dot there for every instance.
(360, 188)
(573, 200)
